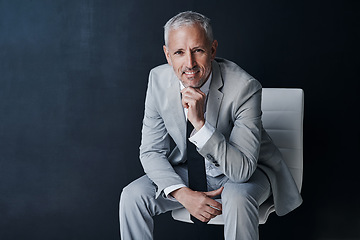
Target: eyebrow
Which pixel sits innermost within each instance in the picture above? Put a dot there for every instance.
(181, 49)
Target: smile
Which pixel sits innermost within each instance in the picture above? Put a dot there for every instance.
(191, 72)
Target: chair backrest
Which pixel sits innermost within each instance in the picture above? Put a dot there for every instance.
(283, 114)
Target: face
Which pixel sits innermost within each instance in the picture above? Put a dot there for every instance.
(190, 54)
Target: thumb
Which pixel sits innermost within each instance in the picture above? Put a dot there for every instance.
(214, 193)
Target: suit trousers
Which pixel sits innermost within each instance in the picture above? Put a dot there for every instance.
(240, 202)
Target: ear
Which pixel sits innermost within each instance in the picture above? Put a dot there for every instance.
(167, 55)
(214, 46)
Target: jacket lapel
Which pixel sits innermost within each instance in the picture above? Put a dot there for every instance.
(176, 111)
(215, 96)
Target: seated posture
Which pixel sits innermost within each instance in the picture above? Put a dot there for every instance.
(223, 153)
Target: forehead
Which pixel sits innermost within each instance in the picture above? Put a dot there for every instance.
(186, 36)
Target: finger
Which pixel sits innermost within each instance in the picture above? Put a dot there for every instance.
(214, 193)
(204, 217)
(184, 103)
(207, 214)
(187, 100)
(193, 92)
(213, 211)
(215, 205)
(193, 96)
(188, 89)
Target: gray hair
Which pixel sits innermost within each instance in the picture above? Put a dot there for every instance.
(188, 18)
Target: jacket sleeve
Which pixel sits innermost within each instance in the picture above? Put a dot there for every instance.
(155, 145)
(237, 155)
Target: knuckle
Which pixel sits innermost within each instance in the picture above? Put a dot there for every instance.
(213, 212)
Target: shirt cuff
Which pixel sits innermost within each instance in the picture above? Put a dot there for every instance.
(172, 188)
(200, 137)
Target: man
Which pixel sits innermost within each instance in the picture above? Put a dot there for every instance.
(223, 104)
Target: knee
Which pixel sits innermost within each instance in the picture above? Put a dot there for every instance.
(127, 194)
(136, 193)
(238, 196)
(131, 193)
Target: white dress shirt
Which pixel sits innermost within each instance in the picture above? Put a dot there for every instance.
(199, 138)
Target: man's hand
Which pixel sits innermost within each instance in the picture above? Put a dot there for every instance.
(199, 204)
(194, 100)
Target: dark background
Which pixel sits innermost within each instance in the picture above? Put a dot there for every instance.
(73, 77)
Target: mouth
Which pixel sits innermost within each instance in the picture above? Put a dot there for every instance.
(191, 73)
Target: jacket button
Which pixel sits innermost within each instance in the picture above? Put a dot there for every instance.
(211, 158)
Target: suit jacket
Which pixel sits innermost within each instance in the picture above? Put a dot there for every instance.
(239, 144)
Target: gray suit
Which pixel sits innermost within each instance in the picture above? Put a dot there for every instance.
(239, 146)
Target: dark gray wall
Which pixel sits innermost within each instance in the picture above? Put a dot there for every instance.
(73, 76)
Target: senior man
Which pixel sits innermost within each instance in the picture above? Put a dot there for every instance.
(222, 103)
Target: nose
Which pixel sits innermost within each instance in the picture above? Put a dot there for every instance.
(190, 60)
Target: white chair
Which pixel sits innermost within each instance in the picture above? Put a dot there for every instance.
(283, 113)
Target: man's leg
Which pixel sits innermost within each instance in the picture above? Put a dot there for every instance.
(138, 206)
(241, 203)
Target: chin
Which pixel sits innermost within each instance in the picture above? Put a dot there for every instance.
(190, 83)
(195, 82)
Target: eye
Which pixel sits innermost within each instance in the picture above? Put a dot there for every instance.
(199, 50)
(178, 52)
